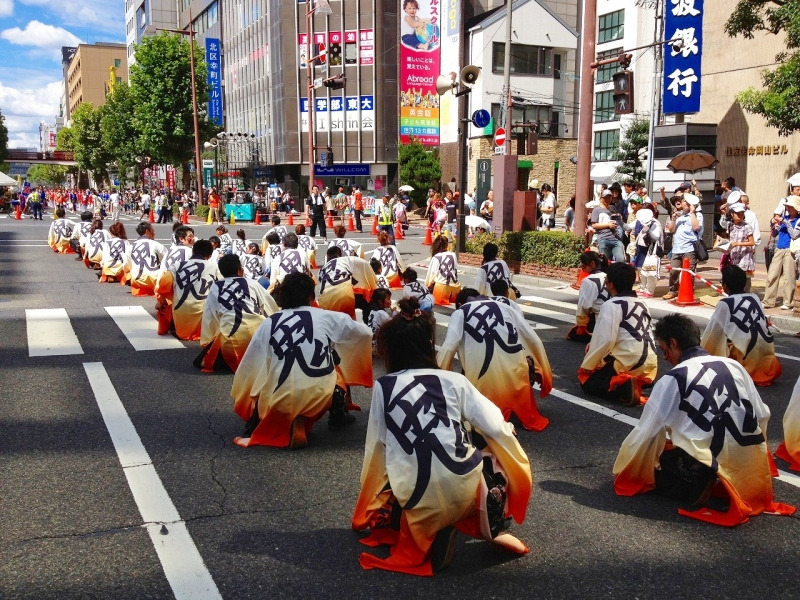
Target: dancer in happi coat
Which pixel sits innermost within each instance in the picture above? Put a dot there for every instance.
(306, 243)
(339, 278)
(144, 261)
(591, 295)
(738, 329)
(717, 427)
(789, 448)
(233, 311)
(288, 378)
(80, 234)
(349, 247)
(442, 276)
(290, 260)
(493, 342)
(181, 249)
(491, 270)
(239, 245)
(254, 266)
(181, 293)
(412, 287)
(439, 457)
(60, 233)
(621, 356)
(94, 246)
(115, 254)
(225, 241)
(391, 262)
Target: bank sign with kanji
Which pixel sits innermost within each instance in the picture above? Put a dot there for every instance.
(684, 21)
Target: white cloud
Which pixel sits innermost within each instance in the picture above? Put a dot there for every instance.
(6, 8)
(24, 108)
(41, 36)
(106, 15)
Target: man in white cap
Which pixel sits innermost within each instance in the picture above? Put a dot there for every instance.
(685, 228)
(608, 225)
(784, 230)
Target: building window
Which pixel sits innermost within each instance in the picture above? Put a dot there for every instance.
(605, 72)
(606, 144)
(117, 62)
(545, 118)
(525, 60)
(604, 107)
(611, 26)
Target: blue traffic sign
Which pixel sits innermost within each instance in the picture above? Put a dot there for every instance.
(481, 118)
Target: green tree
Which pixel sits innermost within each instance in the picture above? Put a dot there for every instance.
(3, 139)
(635, 139)
(162, 92)
(419, 168)
(779, 101)
(49, 175)
(65, 141)
(119, 135)
(87, 139)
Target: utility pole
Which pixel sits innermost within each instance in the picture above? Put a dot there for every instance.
(583, 190)
(507, 77)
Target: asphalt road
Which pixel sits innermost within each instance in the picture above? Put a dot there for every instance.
(275, 523)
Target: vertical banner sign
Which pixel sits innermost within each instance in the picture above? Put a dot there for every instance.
(214, 84)
(450, 63)
(171, 178)
(684, 21)
(419, 67)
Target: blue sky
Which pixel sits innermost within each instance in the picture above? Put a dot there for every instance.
(31, 35)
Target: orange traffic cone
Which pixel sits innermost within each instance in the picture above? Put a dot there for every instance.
(330, 220)
(291, 220)
(398, 231)
(185, 217)
(686, 289)
(375, 225)
(350, 225)
(428, 237)
(18, 214)
(152, 217)
(258, 217)
(581, 276)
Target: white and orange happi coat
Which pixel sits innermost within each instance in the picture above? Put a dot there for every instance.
(94, 247)
(338, 280)
(391, 264)
(59, 235)
(591, 296)
(185, 288)
(233, 311)
(789, 449)
(144, 265)
(493, 340)
(176, 254)
(309, 245)
(288, 369)
(739, 330)
(443, 275)
(711, 409)
(288, 261)
(488, 273)
(348, 247)
(420, 455)
(114, 256)
(622, 331)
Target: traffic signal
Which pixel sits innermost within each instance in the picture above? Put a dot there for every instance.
(335, 83)
(623, 92)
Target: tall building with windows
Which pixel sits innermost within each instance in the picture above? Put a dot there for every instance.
(145, 17)
(621, 25)
(89, 72)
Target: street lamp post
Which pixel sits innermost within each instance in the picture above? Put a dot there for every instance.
(197, 158)
(323, 8)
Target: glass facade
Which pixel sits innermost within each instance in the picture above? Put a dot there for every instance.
(606, 144)
(525, 60)
(604, 107)
(611, 26)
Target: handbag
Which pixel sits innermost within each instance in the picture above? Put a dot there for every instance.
(651, 261)
(700, 251)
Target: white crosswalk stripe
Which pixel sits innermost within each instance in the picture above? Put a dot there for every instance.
(141, 329)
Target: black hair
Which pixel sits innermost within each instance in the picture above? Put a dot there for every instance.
(735, 278)
(622, 275)
(241, 234)
(222, 228)
(379, 297)
(465, 295)
(229, 265)
(290, 240)
(296, 290)
(408, 340)
(253, 245)
(97, 224)
(499, 287)
(276, 220)
(376, 265)
(679, 328)
(409, 275)
(60, 212)
(202, 249)
(273, 238)
(86, 215)
(143, 227)
(333, 252)
(215, 241)
(590, 256)
(490, 252)
(181, 232)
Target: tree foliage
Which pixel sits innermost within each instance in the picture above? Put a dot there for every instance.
(3, 139)
(635, 139)
(50, 175)
(90, 153)
(161, 89)
(119, 135)
(779, 101)
(419, 168)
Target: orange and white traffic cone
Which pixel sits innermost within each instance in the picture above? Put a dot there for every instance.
(185, 217)
(686, 288)
(290, 221)
(428, 237)
(330, 220)
(375, 225)
(18, 213)
(398, 231)
(258, 217)
(350, 225)
(152, 218)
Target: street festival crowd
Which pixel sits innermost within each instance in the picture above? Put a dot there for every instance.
(441, 451)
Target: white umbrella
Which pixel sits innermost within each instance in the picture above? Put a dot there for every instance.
(406, 188)
(475, 222)
(794, 180)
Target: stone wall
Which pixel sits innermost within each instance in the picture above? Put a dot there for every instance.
(535, 270)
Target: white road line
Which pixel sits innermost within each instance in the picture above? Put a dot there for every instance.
(183, 566)
(548, 301)
(50, 333)
(785, 476)
(787, 356)
(141, 329)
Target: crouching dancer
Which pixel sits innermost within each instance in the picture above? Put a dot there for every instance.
(717, 424)
(288, 378)
(439, 457)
